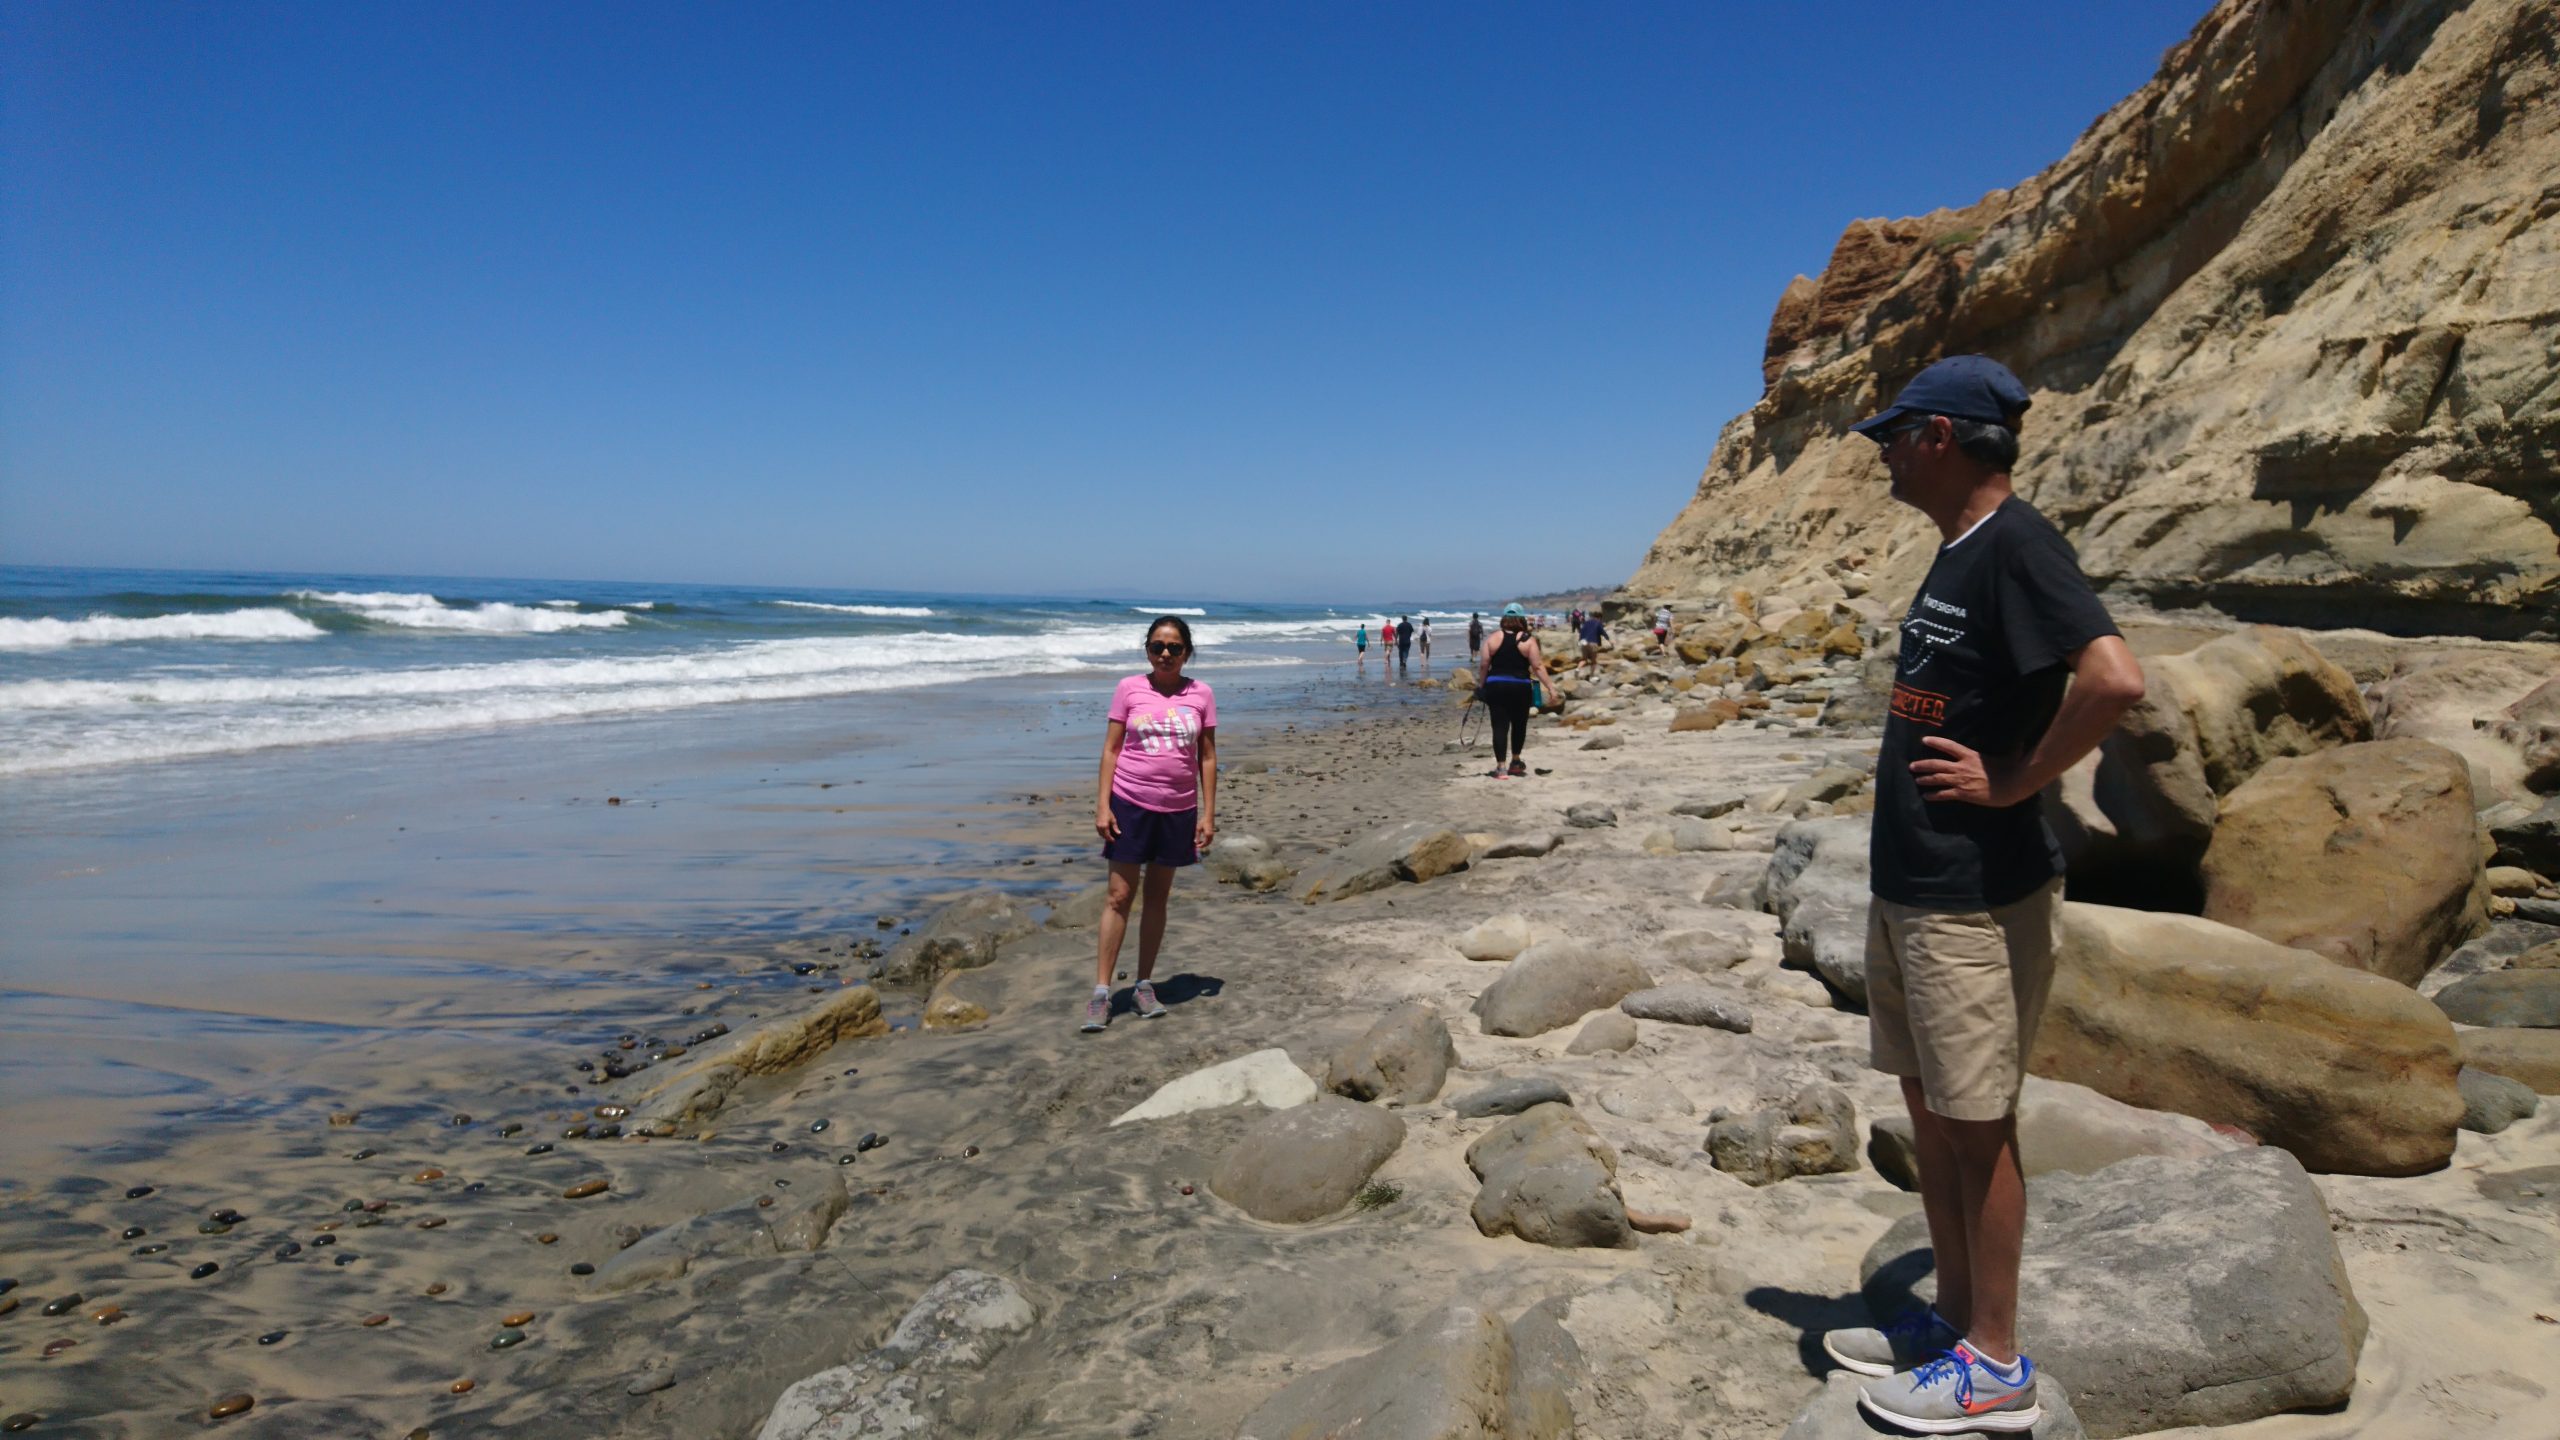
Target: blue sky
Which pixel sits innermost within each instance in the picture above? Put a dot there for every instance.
(1259, 301)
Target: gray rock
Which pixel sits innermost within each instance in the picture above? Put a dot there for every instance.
(2530, 839)
(1608, 1032)
(1527, 846)
(2531, 1056)
(2064, 1129)
(1553, 983)
(1546, 1365)
(1688, 836)
(2527, 998)
(1246, 860)
(2491, 1103)
(1822, 787)
(2166, 1292)
(1816, 885)
(1710, 952)
(1083, 909)
(1590, 815)
(1709, 807)
(1814, 1133)
(1688, 1004)
(1401, 1060)
(1499, 937)
(1605, 740)
(1509, 1097)
(905, 1386)
(1550, 1181)
(1835, 1415)
(1403, 854)
(1446, 1378)
(1305, 1163)
(961, 935)
(805, 1223)
(1894, 1153)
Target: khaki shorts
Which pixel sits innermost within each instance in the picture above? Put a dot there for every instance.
(1953, 998)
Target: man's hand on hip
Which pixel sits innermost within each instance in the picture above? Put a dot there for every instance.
(1955, 773)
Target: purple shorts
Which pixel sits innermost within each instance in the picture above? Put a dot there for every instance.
(1153, 837)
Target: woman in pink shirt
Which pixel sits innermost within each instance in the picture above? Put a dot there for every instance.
(1157, 807)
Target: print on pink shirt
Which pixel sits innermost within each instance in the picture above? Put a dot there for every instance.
(1159, 767)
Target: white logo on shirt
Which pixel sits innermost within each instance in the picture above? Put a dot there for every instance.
(1167, 732)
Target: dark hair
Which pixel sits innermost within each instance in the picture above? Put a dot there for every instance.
(1179, 624)
(1992, 446)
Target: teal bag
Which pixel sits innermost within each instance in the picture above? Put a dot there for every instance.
(1537, 696)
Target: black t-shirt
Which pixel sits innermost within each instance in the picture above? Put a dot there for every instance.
(1984, 663)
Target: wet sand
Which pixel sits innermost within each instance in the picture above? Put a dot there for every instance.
(1160, 1312)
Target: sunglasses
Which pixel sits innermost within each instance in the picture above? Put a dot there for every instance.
(1166, 647)
(1884, 438)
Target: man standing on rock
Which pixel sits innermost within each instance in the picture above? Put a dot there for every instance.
(2010, 671)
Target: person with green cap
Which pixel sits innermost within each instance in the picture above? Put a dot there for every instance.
(1513, 669)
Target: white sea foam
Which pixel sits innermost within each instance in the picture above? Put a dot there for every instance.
(1168, 610)
(364, 599)
(260, 624)
(894, 612)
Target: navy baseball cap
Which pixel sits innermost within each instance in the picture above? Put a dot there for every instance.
(1960, 387)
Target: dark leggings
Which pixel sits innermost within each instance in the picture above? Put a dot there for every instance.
(1508, 704)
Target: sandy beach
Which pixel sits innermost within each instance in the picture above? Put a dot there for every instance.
(406, 1261)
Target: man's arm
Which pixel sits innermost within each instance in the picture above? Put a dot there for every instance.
(2105, 682)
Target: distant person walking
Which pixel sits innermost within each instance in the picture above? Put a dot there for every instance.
(1386, 646)
(2010, 671)
(1424, 641)
(1594, 635)
(1360, 642)
(1662, 628)
(1157, 807)
(1512, 669)
(1404, 641)
(1475, 635)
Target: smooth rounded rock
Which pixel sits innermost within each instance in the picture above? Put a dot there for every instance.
(230, 1405)
(64, 1304)
(585, 1188)
(507, 1339)
(1510, 1097)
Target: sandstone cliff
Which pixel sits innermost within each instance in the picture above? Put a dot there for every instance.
(2291, 313)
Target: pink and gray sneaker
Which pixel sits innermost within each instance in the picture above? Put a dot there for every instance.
(1144, 999)
(1097, 1014)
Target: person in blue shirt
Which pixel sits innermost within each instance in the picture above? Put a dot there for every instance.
(1593, 637)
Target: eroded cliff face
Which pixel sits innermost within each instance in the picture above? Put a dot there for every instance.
(2291, 314)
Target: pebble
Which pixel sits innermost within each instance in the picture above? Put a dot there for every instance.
(507, 1338)
(137, 1192)
(56, 1347)
(423, 1176)
(818, 1126)
(213, 1227)
(968, 1152)
(574, 1132)
(348, 1258)
(273, 1337)
(361, 1155)
(20, 1421)
(374, 1322)
(324, 1240)
(134, 1232)
(459, 1120)
(437, 1288)
(462, 1387)
(107, 1314)
(64, 1305)
(546, 1238)
(230, 1405)
(475, 1187)
(871, 1140)
(670, 1053)
(226, 1216)
(8, 1306)
(203, 1270)
(509, 1129)
(542, 1149)
(346, 1117)
(582, 1268)
(611, 1112)
(153, 1248)
(585, 1188)
(844, 1159)
(7, 1285)
(1186, 1189)
(288, 1249)
(352, 1206)
(518, 1320)
(781, 1145)
(764, 1202)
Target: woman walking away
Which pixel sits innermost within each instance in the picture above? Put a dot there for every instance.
(1512, 666)
(1157, 807)
(1475, 635)
(1360, 641)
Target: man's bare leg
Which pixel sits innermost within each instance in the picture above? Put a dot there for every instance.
(1995, 1211)
(1942, 1198)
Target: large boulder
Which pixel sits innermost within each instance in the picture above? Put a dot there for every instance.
(1814, 1132)
(1550, 1180)
(961, 935)
(2349, 1071)
(1401, 1060)
(2168, 1292)
(1816, 885)
(1834, 1414)
(2528, 999)
(2531, 1056)
(1403, 854)
(1307, 1162)
(2135, 817)
(915, 1383)
(1460, 1375)
(1556, 982)
(2368, 854)
(2067, 1129)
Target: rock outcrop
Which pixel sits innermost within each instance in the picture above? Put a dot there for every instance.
(2285, 311)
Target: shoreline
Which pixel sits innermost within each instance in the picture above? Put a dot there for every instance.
(1157, 1312)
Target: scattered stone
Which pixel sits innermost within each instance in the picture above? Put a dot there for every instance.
(230, 1405)
(507, 1340)
(374, 1322)
(2491, 1102)
(2188, 1255)
(1606, 740)
(693, 1092)
(1528, 846)
(462, 1387)
(1590, 815)
(963, 998)
(1713, 715)
(1608, 1032)
(1549, 1180)
(1813, 1133)
(1306, 1162)
(585, 1188)
(1816, 885)
(961, 936)
(2530, 1056)
(1501, 937)
(1409, 853)
(1836, 1415)
(898, 1389)
(1246, 860)
(1509, 1097)
(1268, 1078)
(1687, 836)
(2524, 999)
(273, 1337)
(1708, 807)
(201, 1271)
(1554, 983)
(1688, 1004)
(1401, 1060)
(2365, 854)
(2063, 1129)
(1667, 1222)
(1822, 787)
(2349, 1071)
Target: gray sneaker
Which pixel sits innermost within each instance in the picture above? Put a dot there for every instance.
(1915, 1336)
(1097, 1013)
(1956, 1394)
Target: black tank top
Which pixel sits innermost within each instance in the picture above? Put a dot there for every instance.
(1506, 659)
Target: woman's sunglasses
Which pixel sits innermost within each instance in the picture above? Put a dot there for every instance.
(1166, 647)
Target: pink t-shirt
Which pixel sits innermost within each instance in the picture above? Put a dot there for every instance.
(1159, 765)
